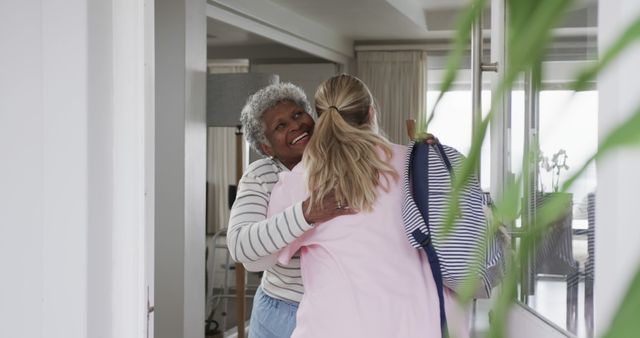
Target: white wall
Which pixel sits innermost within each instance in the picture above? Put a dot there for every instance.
(22, 196)
(308, 76)
(618, 226)
(72, 148)
(180, 52)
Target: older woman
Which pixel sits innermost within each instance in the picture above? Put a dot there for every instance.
(277, 124)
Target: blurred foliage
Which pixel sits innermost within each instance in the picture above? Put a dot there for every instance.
(530, 29)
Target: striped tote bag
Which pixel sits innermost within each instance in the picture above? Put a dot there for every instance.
(466, 252)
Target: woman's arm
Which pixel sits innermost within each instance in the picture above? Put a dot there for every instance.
(252, 236)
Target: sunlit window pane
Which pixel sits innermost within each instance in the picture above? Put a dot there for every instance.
(452, 125)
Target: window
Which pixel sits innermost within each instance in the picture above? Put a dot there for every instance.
(452, 125)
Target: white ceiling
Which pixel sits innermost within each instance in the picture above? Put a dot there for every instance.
(376, 19)
(222, 34)
(360, 19)
(346, 20)
(352, 19)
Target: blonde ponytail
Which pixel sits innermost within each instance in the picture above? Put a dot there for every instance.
(344, 153)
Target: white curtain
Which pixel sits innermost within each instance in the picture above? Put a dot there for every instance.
(221, 161)
(397, 80)
(221, 172)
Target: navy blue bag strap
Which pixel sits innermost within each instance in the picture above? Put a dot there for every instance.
(444, 158)
(419, 175)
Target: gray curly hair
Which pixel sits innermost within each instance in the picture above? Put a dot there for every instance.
(263, 100)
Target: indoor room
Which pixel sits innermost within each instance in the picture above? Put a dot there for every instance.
(126, 161)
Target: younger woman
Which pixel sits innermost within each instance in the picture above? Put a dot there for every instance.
(361, 276)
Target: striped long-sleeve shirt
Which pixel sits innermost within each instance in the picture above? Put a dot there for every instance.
(252, 238)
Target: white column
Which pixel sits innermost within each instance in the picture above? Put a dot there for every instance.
(65, 190)
(617, 223)
(180, 38)
(22, 200)
(500, 126)
(73, 140)
(133, 165)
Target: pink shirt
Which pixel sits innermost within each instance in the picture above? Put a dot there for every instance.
(361, 277)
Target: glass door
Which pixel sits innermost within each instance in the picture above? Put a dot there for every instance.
(553, 131)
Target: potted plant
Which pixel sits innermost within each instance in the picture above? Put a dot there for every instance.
(554, 167)
(554, 251)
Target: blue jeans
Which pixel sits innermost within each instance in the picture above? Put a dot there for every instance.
(271, 317)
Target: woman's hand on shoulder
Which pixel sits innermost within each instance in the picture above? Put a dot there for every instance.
(327, 210)
(430, 139)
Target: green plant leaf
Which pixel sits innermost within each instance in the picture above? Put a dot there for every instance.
(464, 175)
(504, 301)
(507, 208)
(625, 135)
(460, 44)
(625, 324)
(530, 34)
(626, 39)
(530, 28)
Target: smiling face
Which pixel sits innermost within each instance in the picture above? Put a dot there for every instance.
(288, 129)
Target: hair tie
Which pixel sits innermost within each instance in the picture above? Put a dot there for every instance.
(334, 107)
